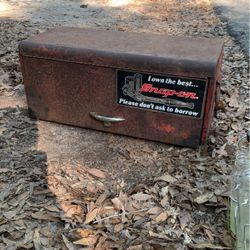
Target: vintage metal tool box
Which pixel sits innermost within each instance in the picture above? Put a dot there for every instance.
(148, 86)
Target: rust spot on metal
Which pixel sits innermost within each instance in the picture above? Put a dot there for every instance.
(185, 134)
(167, 128)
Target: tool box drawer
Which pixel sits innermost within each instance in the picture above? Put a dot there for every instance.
(147, 86)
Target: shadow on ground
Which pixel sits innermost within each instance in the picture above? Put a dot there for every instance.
(24, 189)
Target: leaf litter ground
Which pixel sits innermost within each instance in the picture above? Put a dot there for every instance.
(71, 188)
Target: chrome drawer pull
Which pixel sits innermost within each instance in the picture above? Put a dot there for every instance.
(107, 120)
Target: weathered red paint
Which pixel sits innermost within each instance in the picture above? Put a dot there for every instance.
(70, 72)
(167, 128)
(211, 100)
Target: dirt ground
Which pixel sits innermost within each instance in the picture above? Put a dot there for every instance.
(70, 188)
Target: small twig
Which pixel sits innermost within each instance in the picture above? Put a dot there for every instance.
(123, 213)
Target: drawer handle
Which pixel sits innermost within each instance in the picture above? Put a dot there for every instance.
(107, 120)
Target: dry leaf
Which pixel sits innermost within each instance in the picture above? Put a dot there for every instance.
(91, 216)
(12, 213)
(67, 243)
(161, 217)
(204, 198)
(52, 208)
(92, 188)
(160, 236)
(137, 247)
(22, 200)
(88, 241)
(102, 198)
(37, 240)
(164, 201)
(19, 199)
(118, 227)
(207, 246)
(209, 234)
(5, 170)
(228, 238)
(141, 196)
(1, 132)
(71, 210)
(154, 210)
(44, 216)
(84, 232)
(222, 152)
(118, 204)
(166, 177)
(233, 101)
(184, 218)
(96, 172)
(101, 243)
(17, 244)
(2, 221)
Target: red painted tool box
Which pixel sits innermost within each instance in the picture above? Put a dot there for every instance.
(148, 86)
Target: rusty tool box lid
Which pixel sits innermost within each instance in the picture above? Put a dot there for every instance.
(187, 56)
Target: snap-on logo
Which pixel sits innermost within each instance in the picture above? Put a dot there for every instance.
(148, 88)
(161, 93)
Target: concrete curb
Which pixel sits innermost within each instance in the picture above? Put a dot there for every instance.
(236, 14)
